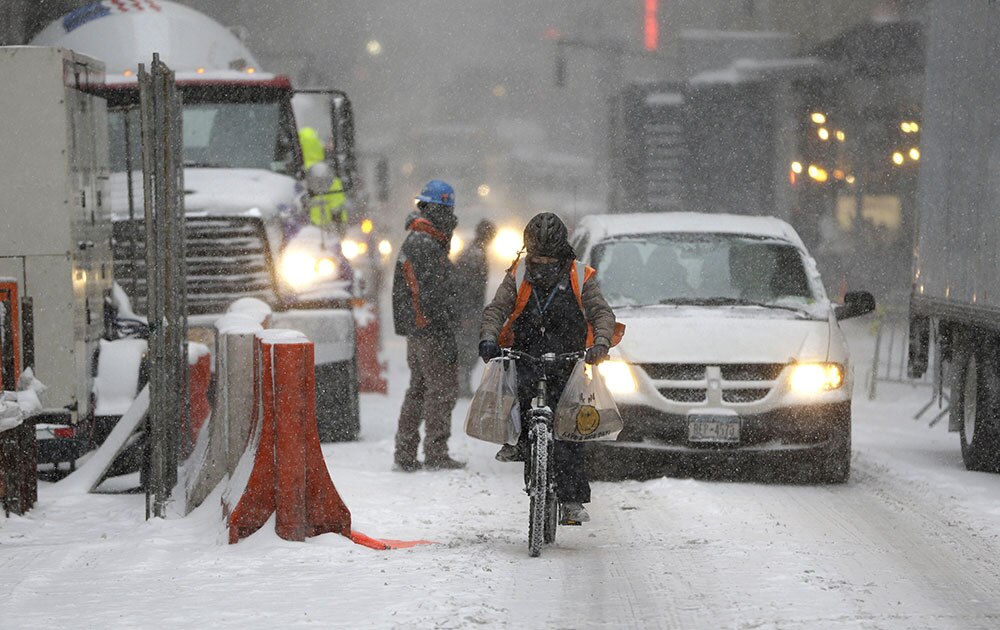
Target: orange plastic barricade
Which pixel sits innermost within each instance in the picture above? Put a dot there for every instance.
(367, 338)
(199, 381)
(289, 477)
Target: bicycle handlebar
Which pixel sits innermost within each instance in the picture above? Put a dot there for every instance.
(517, 355)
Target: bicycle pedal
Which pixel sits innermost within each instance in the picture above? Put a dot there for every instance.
(570, 523)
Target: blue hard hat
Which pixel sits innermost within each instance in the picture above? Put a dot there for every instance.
(437, 192)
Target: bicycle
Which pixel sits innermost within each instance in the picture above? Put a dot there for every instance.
(539, 476)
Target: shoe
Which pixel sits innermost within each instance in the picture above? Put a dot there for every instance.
(573, 514)
(407, 465)
(510, 453)
(443, 463)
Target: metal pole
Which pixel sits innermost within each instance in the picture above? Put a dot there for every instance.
(145, 128)
(133, 270)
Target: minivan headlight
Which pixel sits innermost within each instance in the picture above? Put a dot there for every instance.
(618, 377)
(813, 378)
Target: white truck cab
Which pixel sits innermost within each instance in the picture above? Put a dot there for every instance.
(248, 234)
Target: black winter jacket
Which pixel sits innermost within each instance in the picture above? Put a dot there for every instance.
(423, 291)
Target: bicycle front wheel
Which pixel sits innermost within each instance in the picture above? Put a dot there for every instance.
(538, 483)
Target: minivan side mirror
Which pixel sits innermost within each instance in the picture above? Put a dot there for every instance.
(856, 304)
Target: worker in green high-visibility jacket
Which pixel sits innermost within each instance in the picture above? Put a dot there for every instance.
(329, 208)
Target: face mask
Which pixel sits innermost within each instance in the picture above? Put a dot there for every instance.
(545, 276)
(442, 218)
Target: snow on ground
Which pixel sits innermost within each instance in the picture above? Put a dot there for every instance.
(908, 543)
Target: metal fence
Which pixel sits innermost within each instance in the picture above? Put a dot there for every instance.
(163, 186)
(890, 357)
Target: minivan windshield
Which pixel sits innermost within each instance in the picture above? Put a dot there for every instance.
(216, 135)
(701, 269)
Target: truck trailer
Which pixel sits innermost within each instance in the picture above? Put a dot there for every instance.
(55, 239)
(955, 298)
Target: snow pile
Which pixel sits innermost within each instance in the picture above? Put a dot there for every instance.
(117, 380)
(16, 406)
(252, 308)
(10, 414)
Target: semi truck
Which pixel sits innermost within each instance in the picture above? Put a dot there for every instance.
(955, 299)
(245, 186)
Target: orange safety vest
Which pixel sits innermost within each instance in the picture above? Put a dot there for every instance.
(579, 274)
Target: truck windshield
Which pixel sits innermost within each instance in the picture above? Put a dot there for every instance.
(216, 135)
(701, 269)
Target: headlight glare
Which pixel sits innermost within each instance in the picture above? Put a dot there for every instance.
(298, 268)
(813, 378)
(618, 377)
(326, 267)
(351, 249)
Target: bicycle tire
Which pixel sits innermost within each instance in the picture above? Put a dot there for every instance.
(551, 517)
(538, 491)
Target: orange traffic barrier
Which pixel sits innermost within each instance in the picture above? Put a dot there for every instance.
(199, 380)
(289, 477)
(367, 337)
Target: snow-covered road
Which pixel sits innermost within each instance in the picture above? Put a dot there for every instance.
(910, 542)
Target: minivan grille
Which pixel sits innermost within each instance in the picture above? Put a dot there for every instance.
(674, 371)
(227, 258)
(751, 371)
(741, 382)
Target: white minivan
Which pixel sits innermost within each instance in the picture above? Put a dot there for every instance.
(732, 345)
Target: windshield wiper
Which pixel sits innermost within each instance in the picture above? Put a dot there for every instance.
(728, 301)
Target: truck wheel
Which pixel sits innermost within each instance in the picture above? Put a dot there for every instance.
(835, 461)
(976, 398)
(337, 415)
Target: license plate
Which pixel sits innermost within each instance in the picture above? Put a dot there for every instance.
(714, 428)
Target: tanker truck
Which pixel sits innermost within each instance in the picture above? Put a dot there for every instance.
(246, 190)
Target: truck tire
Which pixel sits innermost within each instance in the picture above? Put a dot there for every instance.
(338, 417)
(975, 397)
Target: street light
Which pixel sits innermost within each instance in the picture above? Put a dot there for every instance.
(897, 158)
(823, 134)
(374, 48)
(818, 117)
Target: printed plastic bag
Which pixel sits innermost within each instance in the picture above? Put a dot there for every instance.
(494, 414)
(586, 411)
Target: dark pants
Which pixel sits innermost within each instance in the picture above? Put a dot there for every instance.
(570, 458)
(433, 362)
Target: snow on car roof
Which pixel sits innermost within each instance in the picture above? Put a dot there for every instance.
(602, 226)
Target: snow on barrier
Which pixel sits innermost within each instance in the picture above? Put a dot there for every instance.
(282, 470)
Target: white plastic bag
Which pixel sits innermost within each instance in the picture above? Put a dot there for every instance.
(586, 411)
(494, 414)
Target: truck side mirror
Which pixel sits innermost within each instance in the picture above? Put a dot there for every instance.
(856, 304)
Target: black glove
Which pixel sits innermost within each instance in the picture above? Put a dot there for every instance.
(490, 350)
(595, 353)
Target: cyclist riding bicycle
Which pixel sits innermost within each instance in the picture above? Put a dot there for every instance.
(550, 303)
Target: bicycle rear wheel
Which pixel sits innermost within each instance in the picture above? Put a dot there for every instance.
(538, 490)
